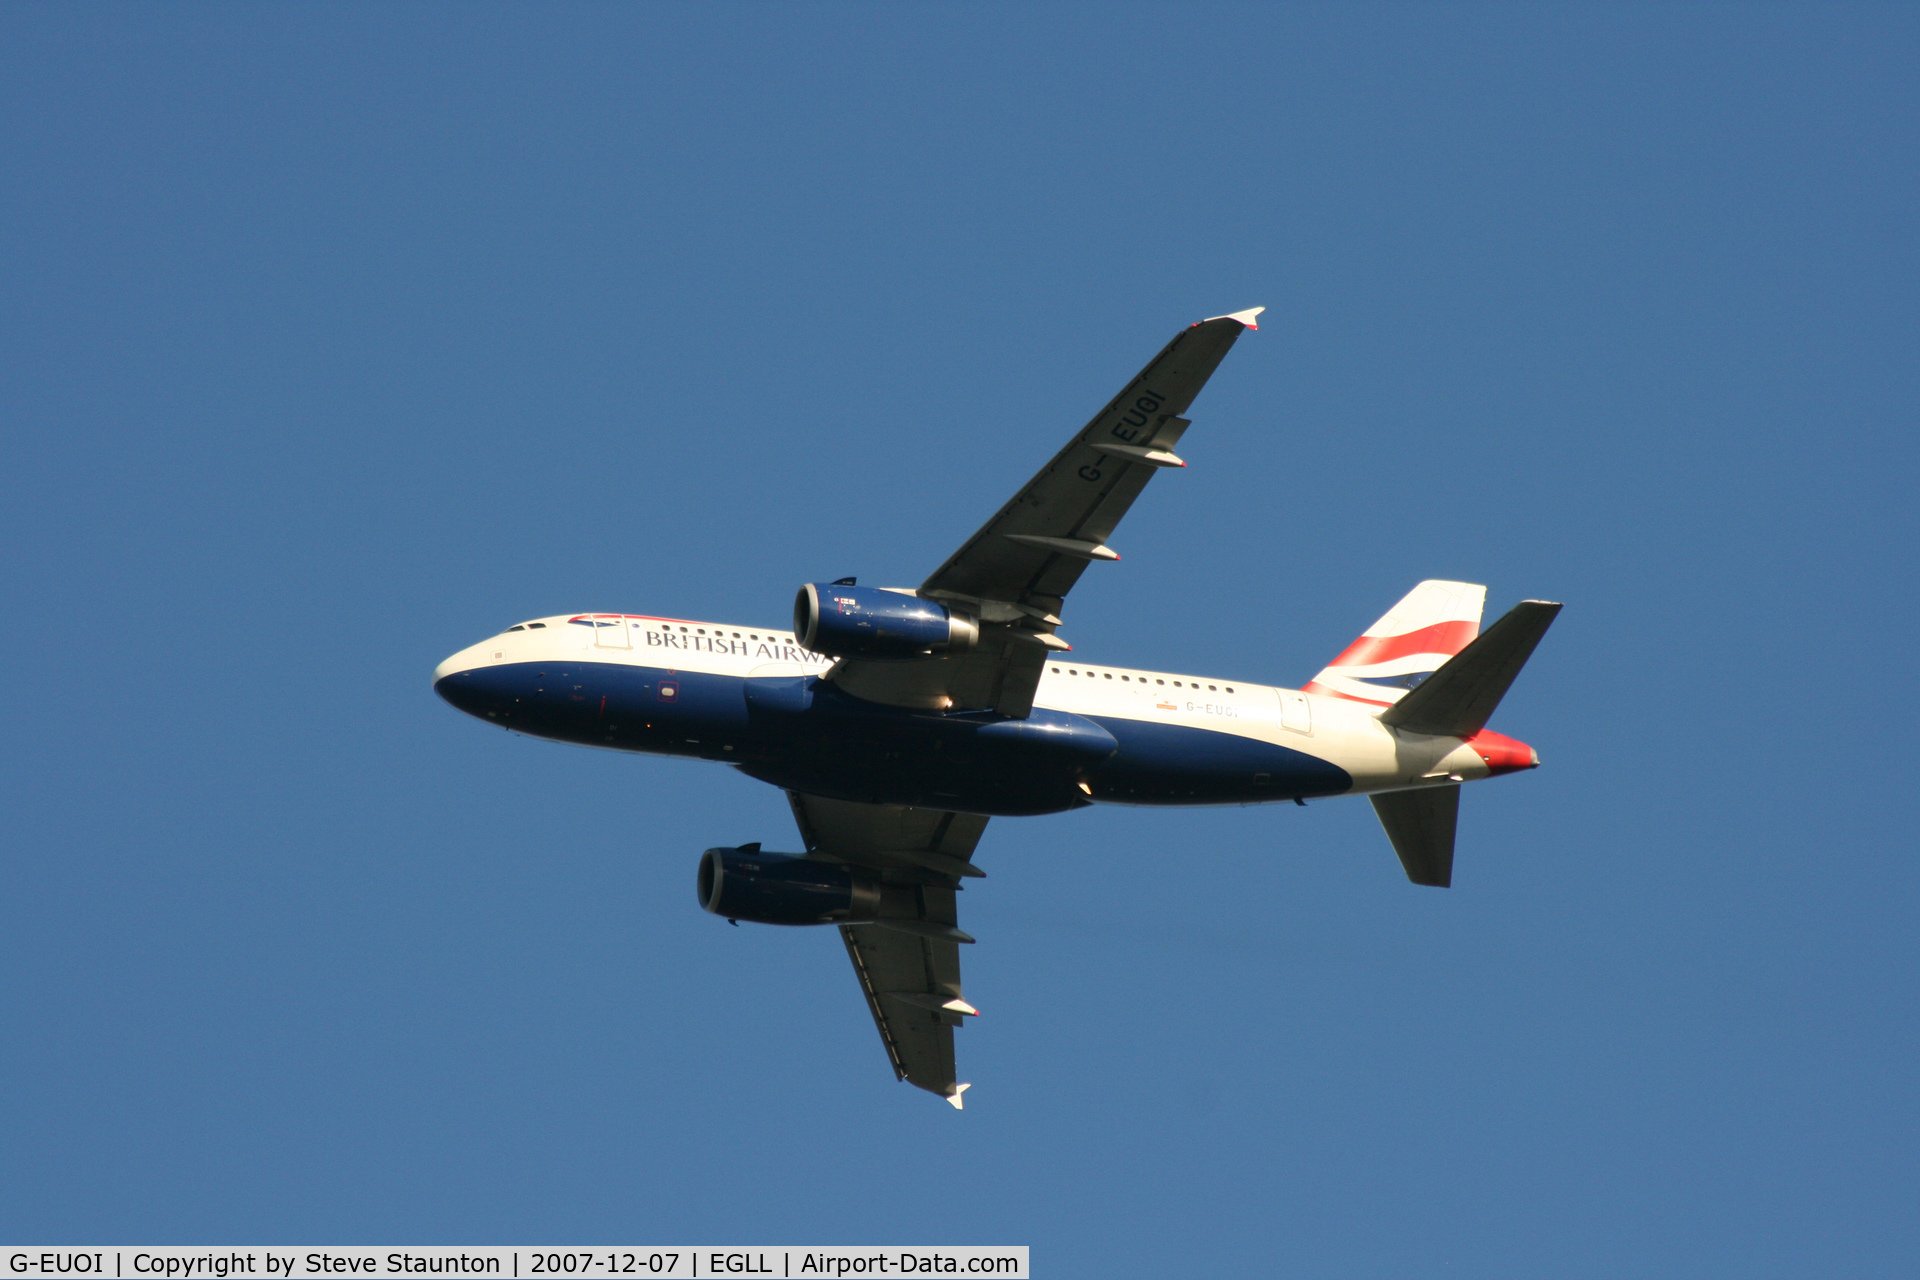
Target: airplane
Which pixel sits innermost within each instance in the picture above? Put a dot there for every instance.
(900, 720)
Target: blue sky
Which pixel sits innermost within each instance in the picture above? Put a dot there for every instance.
(334, 339)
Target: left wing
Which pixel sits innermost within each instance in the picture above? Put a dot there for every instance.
(907, 961)
(1035, 548)
(1013, 575)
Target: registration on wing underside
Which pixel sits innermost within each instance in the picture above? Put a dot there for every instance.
(1013, 575)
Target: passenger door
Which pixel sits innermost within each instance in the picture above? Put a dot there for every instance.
(1296, 713)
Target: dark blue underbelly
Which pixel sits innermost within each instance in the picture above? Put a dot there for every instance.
(606, 704)
(802, 734)
(1175, 764)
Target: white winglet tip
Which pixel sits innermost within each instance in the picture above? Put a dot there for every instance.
(959, 1104)
(1247, 317)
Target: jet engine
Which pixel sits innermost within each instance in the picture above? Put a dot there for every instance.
(784, 888)
(845, 621)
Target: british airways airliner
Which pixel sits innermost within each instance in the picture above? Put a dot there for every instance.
(899, 720)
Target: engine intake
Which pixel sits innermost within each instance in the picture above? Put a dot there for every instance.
(784, 888)
(866, 622)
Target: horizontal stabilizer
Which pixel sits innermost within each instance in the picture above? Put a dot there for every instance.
(1421, 825)
(1459, 698)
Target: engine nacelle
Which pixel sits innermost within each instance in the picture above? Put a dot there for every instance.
(866, 622)
(784, 888)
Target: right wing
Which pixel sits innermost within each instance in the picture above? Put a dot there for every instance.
(1013, 575)
(908, 961)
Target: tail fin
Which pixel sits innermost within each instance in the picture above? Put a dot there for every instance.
(1457, 702)
(1461, 696)
(1431, 623)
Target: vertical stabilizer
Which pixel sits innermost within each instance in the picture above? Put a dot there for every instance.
(1431, 623)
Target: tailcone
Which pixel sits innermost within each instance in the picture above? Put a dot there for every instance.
(1503, 754)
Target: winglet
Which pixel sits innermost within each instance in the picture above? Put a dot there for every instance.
(1248, 317)
(959, 1104)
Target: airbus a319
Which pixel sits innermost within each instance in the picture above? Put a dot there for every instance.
(900, 720)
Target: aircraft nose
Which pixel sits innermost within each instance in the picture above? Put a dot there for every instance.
(486, 692)
(460, 694)
(462, 679)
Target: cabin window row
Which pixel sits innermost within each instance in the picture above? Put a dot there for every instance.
(722, 633)
(1108, 675)
(717, 631)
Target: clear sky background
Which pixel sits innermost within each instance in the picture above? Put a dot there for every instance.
(333, 339)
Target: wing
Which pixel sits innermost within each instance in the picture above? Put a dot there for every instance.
(1014, 574)
(1033, 551)
(908, 961)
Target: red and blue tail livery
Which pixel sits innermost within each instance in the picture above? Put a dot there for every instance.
(899, 720)
(1431, 623)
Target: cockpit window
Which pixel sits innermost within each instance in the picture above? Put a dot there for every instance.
(535, 626)
(516, 628)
